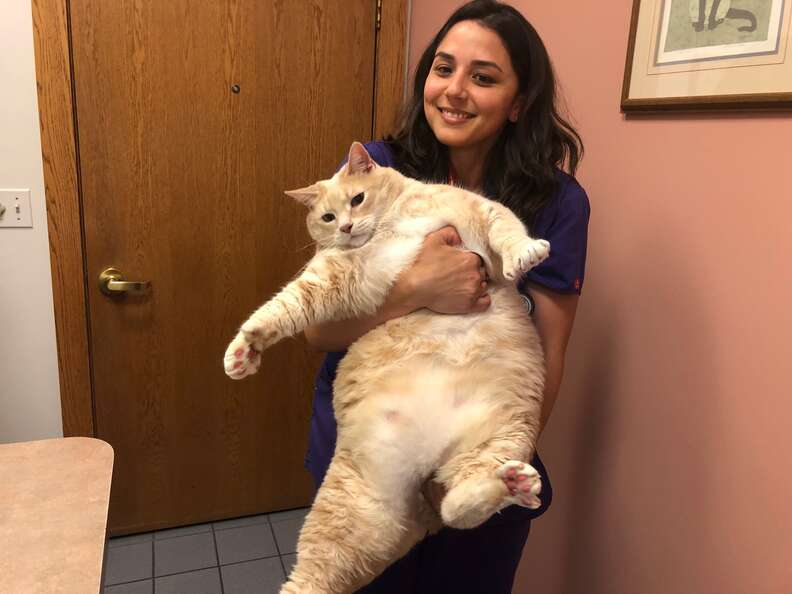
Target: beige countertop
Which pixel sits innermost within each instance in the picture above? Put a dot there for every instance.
(54, 496)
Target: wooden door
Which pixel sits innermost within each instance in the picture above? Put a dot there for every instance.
(192, 119)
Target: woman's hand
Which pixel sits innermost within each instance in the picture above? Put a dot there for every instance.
(444, 278)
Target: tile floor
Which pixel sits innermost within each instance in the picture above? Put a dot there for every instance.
(238, 556)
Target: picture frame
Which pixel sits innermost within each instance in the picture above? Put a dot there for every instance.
(708, 55)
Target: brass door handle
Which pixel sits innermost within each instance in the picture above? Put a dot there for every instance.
(112, 282)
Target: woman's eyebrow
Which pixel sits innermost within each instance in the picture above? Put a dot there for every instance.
(445, 56)
(479, 63)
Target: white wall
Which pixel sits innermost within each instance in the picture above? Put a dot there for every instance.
(29, 392)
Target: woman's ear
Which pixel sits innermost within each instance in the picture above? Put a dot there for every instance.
(517, 108)
(306, 196)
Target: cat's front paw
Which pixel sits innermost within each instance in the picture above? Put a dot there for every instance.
(243, 356)
(523, 482)
(524, 255)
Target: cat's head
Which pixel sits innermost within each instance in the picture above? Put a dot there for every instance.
(345, 210)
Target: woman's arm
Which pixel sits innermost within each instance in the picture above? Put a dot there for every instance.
(554, 317)
(337, 336)
(443, 278)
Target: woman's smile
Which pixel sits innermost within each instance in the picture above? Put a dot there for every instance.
(455, 116)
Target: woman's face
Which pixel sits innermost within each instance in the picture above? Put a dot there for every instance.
(471, 90)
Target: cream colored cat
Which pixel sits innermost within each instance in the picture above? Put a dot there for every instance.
(454, 396)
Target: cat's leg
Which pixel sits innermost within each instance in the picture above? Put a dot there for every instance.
(508, 238)
(494, 475)
(353, 531)
(332, 286)
(483, 224)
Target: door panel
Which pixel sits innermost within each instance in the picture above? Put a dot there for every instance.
(182, 184)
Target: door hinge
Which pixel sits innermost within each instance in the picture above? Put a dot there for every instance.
(378, 24)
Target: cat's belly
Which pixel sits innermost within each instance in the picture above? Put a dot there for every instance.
(503, 337)
(459, 340)
(418, 389)
(405, 427)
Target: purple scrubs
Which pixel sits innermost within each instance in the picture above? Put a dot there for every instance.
(482, 560)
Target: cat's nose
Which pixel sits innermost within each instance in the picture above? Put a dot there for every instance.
(346, 228)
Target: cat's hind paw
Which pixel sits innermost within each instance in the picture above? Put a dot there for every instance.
(523, 482)
(523, 256)
(242, 357)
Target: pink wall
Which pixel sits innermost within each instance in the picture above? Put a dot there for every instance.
(669, 447)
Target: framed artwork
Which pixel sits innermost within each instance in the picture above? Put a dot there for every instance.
(698, 55)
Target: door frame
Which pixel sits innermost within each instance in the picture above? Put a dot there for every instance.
(63, 191)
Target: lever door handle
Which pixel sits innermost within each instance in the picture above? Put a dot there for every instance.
(112, 282)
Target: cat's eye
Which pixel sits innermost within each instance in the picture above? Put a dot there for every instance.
(328, 217)
(357, 199)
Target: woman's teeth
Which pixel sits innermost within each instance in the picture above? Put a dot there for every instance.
(455, 115)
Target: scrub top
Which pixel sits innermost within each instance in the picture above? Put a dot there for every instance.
(563, 222)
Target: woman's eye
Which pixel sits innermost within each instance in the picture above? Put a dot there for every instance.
(483, 79)
(442, 69)
(328, 217)
(357, 199)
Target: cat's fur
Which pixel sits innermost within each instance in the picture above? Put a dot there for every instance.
(457, 397)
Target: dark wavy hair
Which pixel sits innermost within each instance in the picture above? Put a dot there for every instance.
(521, 168)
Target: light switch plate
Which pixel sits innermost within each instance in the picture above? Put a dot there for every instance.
(17, 208)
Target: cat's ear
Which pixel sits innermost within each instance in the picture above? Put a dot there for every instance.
(306, 196)
(359, 160)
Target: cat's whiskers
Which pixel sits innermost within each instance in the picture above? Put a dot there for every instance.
(306, 246)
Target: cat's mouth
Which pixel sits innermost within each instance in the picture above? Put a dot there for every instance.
(357, 239)
(455, 115)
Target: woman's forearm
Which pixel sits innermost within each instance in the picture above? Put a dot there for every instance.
(443, 278)
(337, 336)
(553, 376)
(554, 317)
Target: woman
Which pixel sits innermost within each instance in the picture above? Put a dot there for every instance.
(482, 116)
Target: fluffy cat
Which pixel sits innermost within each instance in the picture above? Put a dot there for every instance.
(457, 397)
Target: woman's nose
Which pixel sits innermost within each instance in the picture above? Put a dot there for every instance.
(346, 228)
(456, 87)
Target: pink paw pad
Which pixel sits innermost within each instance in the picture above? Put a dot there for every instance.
(241, 358)
(522, 482)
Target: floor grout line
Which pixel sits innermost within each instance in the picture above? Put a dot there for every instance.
(217, 557)
(155, 577)
(213, 530)
(129, 544)
(104, 587)
(277, 548)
